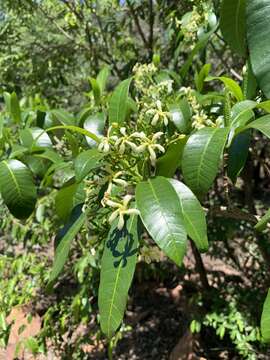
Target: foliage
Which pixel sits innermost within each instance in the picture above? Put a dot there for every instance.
(128, 173)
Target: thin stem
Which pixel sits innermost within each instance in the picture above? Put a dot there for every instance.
(200, 267)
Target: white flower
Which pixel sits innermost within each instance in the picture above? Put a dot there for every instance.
(104, 145)
(121, 210)
(159, 114)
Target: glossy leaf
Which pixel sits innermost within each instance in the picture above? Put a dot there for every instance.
(201, 158)
(262, 124)
(17, 188)
(265, 319)
(118, 104)
(170, 161)
(85, 162)
(117, 269)
(238, 153)
(35, 137)
(193, 215)
(233, 24)
(231, 85)
(181, 115)
(161, 215)
(262, 224)
(64, 240)
(258, 33)
(95, 124)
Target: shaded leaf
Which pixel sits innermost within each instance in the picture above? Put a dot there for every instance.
(64, 240)
(238, 153)
(262, 124)
(17, 188)
(233, 24)
(168, 163)
(258, 33)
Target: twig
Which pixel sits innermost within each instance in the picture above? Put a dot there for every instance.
(137, 23)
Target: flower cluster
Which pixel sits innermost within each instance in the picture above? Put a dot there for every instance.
(149, 254)
(159, 115)
(195, 20)
(138, 143)
(199, 117)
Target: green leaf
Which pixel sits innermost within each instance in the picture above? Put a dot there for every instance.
(265, 105)
(37, 166)
(118, 104)
(200, 77)
(258, 34)
(181, 115)
(77, 130)
(265, 319)
(170, 161)
(62, 116)
(238, 153)
(117, 269)
(102, 78)
(193, 215)
(85, 162)
(64, 200)
(50, 155)
(249, 84)
(161, 214)
(261, 225)
(35, 138)
(230, 84)
(201, 158)
(262, 124)
(233, 24)
(95, 124)
(13, 106)
(96, 90)
(64, 240)
(17, 188)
